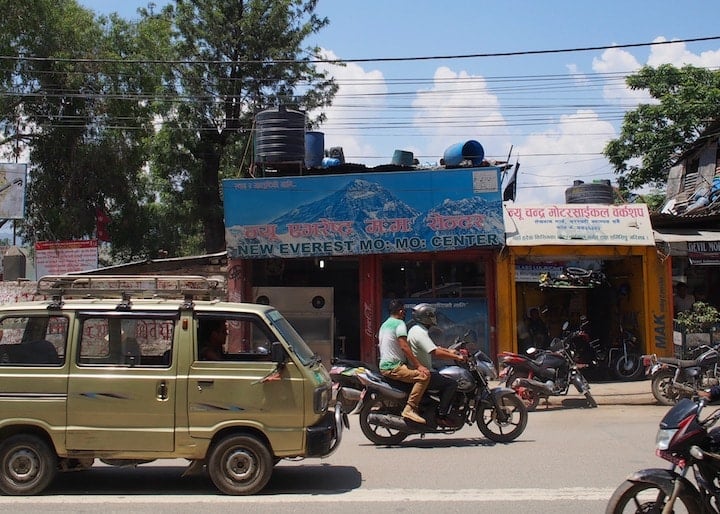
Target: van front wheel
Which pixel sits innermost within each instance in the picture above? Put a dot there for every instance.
(240, 465)
(27, 465)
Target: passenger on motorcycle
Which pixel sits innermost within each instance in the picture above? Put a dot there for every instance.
(395, 355)
(424, 348)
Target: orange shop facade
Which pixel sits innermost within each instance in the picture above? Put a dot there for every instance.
(330, 251)
(616, 241)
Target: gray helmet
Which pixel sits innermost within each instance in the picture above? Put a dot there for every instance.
(424, 313)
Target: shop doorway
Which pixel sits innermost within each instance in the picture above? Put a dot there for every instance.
(455, 285)
(609, 309)
(336, 281)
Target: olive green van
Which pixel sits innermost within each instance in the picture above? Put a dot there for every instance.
(129, 369)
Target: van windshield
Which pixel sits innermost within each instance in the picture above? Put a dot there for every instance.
(301, 349)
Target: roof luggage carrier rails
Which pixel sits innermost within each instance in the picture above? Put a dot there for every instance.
(186, 287)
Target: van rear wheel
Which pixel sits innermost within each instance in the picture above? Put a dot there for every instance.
(27, 465)
(240, 465)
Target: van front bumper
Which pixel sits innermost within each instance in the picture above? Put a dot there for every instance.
(324, 437)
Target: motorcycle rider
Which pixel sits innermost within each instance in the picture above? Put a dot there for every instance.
(425, 349)
(395, 355)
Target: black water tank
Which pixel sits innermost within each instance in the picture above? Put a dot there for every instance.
(280, 136)
(600, 191)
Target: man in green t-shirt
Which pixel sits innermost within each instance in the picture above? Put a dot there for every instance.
(395, 355)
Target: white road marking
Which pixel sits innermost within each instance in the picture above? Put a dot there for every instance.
(356, 495)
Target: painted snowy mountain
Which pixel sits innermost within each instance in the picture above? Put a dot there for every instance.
(491, 212)
(359, 201)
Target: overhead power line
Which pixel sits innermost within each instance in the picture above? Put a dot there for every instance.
(365, 59)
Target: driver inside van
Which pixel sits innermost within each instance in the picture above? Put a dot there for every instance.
(212, 340)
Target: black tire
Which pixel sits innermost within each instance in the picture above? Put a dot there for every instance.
(627, 367)
(376, 433)
(529, 397)
(240, 465)
(506, 426)
(27, 465)
(662, 387)
(632, 497)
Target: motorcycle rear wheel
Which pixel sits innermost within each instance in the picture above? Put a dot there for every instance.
(662, 387)
(505, 426)
(638, 497)
(527, 395)
(376, 433)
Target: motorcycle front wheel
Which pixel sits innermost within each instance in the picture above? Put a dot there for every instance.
(505, 422)
(376, 433)
(662, 387)
(627, 367)
(639, 497)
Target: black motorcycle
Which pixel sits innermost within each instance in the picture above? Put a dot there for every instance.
(688, 442)
(673, 379)
(625, 360)
(499, 413)
(545, 373)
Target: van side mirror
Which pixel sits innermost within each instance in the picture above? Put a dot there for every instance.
(277, 353)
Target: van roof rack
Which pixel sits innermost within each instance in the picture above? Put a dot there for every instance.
(137, 286)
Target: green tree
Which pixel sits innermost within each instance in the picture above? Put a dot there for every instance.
(233, 59)
(66, 81)
(655, 134)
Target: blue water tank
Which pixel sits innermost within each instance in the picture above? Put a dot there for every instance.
(280, 136)
(468, 151)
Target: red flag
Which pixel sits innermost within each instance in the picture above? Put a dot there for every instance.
(102, 220)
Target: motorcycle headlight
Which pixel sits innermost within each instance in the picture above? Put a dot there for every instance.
(663, 438)
(321, 399)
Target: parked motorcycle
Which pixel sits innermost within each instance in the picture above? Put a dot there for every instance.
(625, 360)
(347, 388)
(673, 379)
(498, 412)
(688, 442)
(622, 361)
(545, 373)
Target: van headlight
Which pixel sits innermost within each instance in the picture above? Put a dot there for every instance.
(321, 399)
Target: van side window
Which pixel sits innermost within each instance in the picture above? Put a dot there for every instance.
(33, 341)
(233, 337)
(137, 341)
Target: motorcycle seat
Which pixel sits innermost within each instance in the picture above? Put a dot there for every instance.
(680, 363)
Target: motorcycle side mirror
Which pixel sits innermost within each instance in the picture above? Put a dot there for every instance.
(531, 350)
(566, 325)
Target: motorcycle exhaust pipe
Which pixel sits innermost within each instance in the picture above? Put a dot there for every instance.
(390, 421)
(541, 387)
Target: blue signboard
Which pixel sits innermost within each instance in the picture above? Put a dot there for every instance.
(363, 213)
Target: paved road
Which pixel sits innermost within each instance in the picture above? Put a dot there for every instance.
(569, 460)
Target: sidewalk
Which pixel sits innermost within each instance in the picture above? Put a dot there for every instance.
(610, 393)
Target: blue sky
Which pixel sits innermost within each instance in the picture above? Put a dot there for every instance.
(556, 110)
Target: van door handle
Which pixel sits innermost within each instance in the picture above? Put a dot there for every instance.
(162, 390)
(205, 383)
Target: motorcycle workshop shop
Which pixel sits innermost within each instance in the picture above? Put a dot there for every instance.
(331, 245)
(577, 262)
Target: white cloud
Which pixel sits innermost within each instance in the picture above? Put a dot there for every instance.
(620, 62)
(360, 98)
(457, 103)
(678, 55)
(565, 152)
